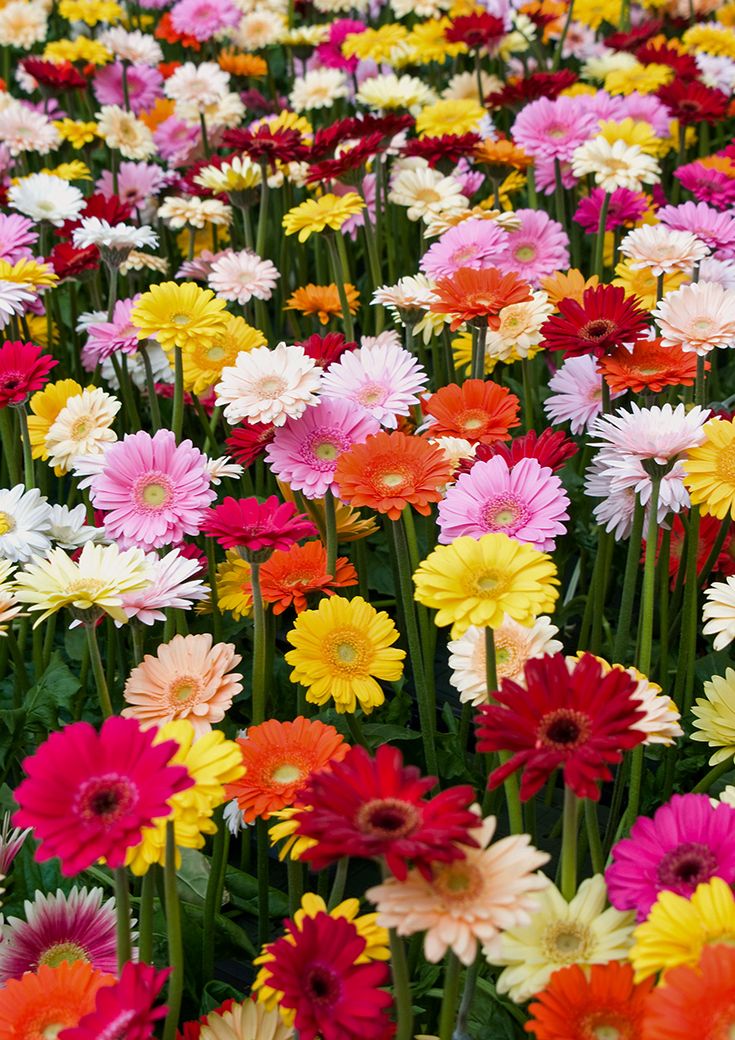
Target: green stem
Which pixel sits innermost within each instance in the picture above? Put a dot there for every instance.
(261, 831)
(9, 440)
(262, 213)
(338, 885)
(570, 828)
(175, 938)
(330, 520)
(150, 383)
(213, 897)
(479, 337)
(401, 988)
(112, 292)
(450, 997)
(468, 996)
(295, 871)
(599, 264)
(683, 687)
(259, 648)
(648, 597)
(510, 784)
(147, 903)
(700, 381)
(630, 583)
(122, 918)
(560, 43)
(714, 774)
(593, 836)
(527, 394)
(28, 474)
(341, 274)
(98, 670)
(205, 136)
(711, 560)
(177, 417)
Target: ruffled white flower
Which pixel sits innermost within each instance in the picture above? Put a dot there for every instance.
(616, 165)
(260, 28)
(25, 524)
(69, 527)
(42, 196)
(221, 468)
(173, 586)
(238, 277)
(14, 298)
(116, 237)
(318, 88)
(697, 318)
(425, 192)
(23, 23)
(23, 129)
(137, 47)
(267, 385)
(661, 250)
(199, 85)
(408, 299)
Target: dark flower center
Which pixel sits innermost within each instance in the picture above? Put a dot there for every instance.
(322, 985)
(597, 329)
(689, 864)
(105, 799)
(564, 729)
(387, 818)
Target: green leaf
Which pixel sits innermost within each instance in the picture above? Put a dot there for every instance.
(192, 876)
(378, 733)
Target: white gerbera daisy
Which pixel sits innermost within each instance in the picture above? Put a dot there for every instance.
(137, 47)
(25, 524)
(179, 212)
(13, 299)
(124, 132)
(23, 129)
(199, 85)
(425, 192)
(267, 385)
(718, 612)
(69, 527)
(23, 23)
(82, 427)
(318, 88)
(116, 238)
(660, 250)
(616, 165)
(42, 196)
(238, 277)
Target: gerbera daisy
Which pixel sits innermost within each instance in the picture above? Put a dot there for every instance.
(708, 469)
(526, 501)
(88, 794)
(108, 337)
(547, 129)
(514, 645)
(697, 317)
(714, 715)
(390, 471)
(688, 841)
(576, 393)
(536, 249)
(322, 300)
(550, 448)
(83, 426)
(279, 758)
(383, 378)
(24, 368)
(42, 196)
(152, 490)
(234, 586)
(25, 524)
(178, 315)
(694, 1000)
(204, 362)
(661, 250)
(376, 807)
(473, 243)
(426, 193)
(257, 526)
(717, 230)
(647, 365)
(57, 928)
(245, 1020)
(478, 411)
(603, 1000)
(125, 1009)
(328, 349)
(269, 386)
(477, 297)
(605, 319)
(289, 578)
(580, 932)
(188, 678)
(469, 901)
(240, 277)
(624, 209)
(175, 582)
(678, 929)
(478, 582)
(615, 165)
(47, 1002)
(328, 211)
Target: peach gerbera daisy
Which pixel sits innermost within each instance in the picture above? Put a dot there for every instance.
(189, 678)
(279, 758)
(322, 300)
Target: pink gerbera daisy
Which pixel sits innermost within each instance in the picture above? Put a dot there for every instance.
(687, 843)
(305, 451)
(16, 235)
(144, 85)
(383, 378)
(553, 129)
(707, 184)
(204, 18)
(175, 583)
(257, 527)
(539, 247)
(238, 277)
(152, 490)
(473, 243)
(24, 368)
(136, 182)
(89, 794)
(526, 502)
(576, 395)
(125, 1010)
(109, 337)
(60, 927)
(715, 229)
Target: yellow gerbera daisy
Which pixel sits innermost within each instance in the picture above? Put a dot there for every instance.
(595, 12)
(212, 762)
(328, 211)
(384, 45)
(478, 581)
(451, 116)
(82, 49)
(76, 132)
(204, 360)
(714, 716)
(179, 315)
(712, 39)
(678, 929)
(642, 283)
(710, 470)
(294, 845)
(641, 79)
(45, 406)
(286, 120)
(237, 175)
(29, 272)
(340, 651)
(91, 11)
(633, 131)
(427, 42)
(75, 170)
(234, 592)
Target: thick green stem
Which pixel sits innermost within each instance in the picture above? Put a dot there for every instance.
(263, 849)
(479, 338)
(213, 897)
(177, 418)
(700, 381)
(28, 473)
(259, 648)
(648, 598)
(630, 583)
(714, 774)
(570, 829)
(593, 836)
(150, 383)
(98, 670)
(450, 997)
(262, 212)
(510, 785)
(175, 938)
(338, 885)
(112, 292)
(599, 264)
(122, 918)
(684, 685)
(341, 274)
(10, 441)
(145, 924)
(401, 988)
(330, 523)
(468, 996)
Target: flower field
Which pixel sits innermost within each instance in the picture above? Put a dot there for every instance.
(367, 558)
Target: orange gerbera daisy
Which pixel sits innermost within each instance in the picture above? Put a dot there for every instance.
(477, 297)
(162, 110)
(480, 412)
(322, 300)
(165, 31)
(239, 64)
(42, 1003)
(279, 757)
(287, 578)
(648, 366)
(500, 156)
(569, 286)
(390, 471)
(695, 1001)
(580, 1005)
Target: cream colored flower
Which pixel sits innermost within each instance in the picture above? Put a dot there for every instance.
(23, 23)
(616, 165)
(714, 716)
(519, 334)
(318, 88)
(124, 132)
(390, 91)
(261, 28)
(82, 427)
(425, 193)
(179, 212)
(246, 1021)
(661, 250)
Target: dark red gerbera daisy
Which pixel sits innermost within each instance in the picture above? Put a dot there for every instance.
(636, 35)
(517, 92)
(267, 145)
(709, 529)
(550, 448)
(605, 319)
(476, 30)
(448, 148)
(683, 65)
(325, 350)
(24, 368)
(109, 208)
(54, 75)
(327, 138)
(347, 161)
(376, 807)
(248, 441)
(125, 1010)
(570, 715)
(70, 262)
(257, 527)
(333, 997)
(692, 103)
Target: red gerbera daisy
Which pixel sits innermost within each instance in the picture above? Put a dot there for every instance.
(375, 807)
(267, 145)
(570, 716)
(683, 65)
(257, 527)
(349, 159)
(327, 138)
(124, 1011)
(24, 368)
(709, 530)
(325, 350)
(605, 319)
(332, 996)
(248, 441)
(693, 102)
(695, 1001)
(518, 92)
(550, 448)
(480, 412)
(449, 148)
(636, 35)
(53, 75)
(476, 30)
(601, 1001)
(88, 795)
(70, 262)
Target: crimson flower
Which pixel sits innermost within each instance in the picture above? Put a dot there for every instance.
(605, 319)
(372, 807)
(328, 138)
(24, 368)
(449, 148)
(569, 716)
(333, 997)
(518, 92)
(683, 65)
(550, 448)
(693, 102)
(248, 441)
(109, 208)
(70, 262)
(267, 145)
(476, 30)
(347, 161)
(325, 350)
(124, 1009)
(53, 75)
(257, 527)
(638, 34)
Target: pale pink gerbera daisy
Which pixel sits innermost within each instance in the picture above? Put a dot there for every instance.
(304, 452)
(189, 678)
(384, 378)
(697, 318)
(553, 129)
(239, 277)
(576, 395)
(662, 250)
(152, 490)
(473, 243)
(269, 386)
(539, 247)
(174, 584)
(110, 337)
(717, 230)
(16, 235)
(526, 502)
(469, 901)
(204, 18)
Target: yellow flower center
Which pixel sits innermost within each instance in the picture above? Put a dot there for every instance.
(392, 480)
(326, 451)
(184, 690)
(286, 774)
(7, 523)
(725, 465)
(371, 394)
(52, 1031)
(349, 652)
(427, 195)
(81, 428)
(270, 386)
(155, 495)
(60, 952)
(85, 588)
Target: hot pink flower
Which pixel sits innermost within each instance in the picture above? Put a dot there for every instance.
(144, 85)
(330, 53)
(202, 19)
(24, 368)
(257, 526)
(89, 794)
(472, 243)
(539, 247)
(707, 184)
(124, 1009)
(153, 492)
(625, 209)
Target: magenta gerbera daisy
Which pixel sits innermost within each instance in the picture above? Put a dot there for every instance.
(526, 502)
(539, 247)
(473, 243)
(152, 490)
(24, 368)
(305, 451)
(74, 927)
(89, 794)
(125, 1010)
(257, 527)
(686, 843)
